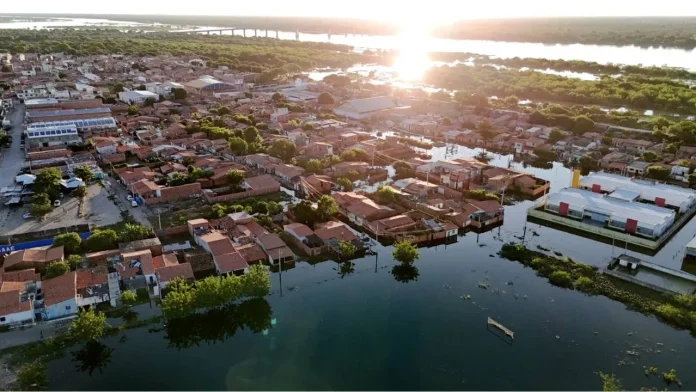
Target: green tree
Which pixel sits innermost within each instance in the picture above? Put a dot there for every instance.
(325, 99)
(274, 208)
(556, 136)
(238, 146)
(40, 206)
(133, 110)
(326, 207)
(658, 173)
(446, 121)
(48, 182)
(32, 377)
(235, 178)
(607, 141)
(218, 211)
(256, 282)
(346, 184)
(74, 261)
(84, 173)
(134, 232)
(649, 156)
(314, 166)
(582, 124)
(610, 382)
(251, 135)
(346, 250)
(585, 165)
(485, 129)
(692, 179)
(69, 241)
(88, 325)
(405, 252)
(283, 149)
(101, 240)
(56, 268)
(149, 102)
(179, 300)
(386, 194)
(117, 88)
(304, 213)
(208, 292)
(80, 192)
(277, 97)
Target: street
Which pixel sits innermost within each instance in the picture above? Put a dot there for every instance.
(13, 157)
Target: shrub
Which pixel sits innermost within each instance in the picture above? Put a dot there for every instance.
(561, 278)
(56, 268)
(128, 297)
(584, 283)
(670, 376)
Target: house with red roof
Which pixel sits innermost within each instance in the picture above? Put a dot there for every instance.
(59, 296)
(92, 287)
(170, 272)
(14, 309)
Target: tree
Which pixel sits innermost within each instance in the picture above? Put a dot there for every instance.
(658, 173)
(80, 191)
(405, 252)
(74, 261)
(585, 165)
(325, 99)
(179, 93)
(511, 100)
(404, 272)
(93, 356)
(447, 122)
(274, 208)
(556, 136)
(283, 149)
(485, 129)
(386, 194)
(32, 377)
(238, 146)
(149, 102)
(649, 156)
(314, 166)
(128, 297)
(235, 178)
(40, 205)
(277, 97)
(346, 250)
(692, 179)
(133, 110)
(582, 124)
(118, 88)
(304, 213)
(56, 268)
(346, 184)
(251, 135)
(326, 207)
(208, 292)
(101, 240)
(256, 282)
(69, 241)
(48, 182)
(179, 300)
(89, 325)
(607, 141)
(84, 173)
(134, 232)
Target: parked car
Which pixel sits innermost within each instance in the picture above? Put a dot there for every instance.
(56, 203)
(129, 197)
(27, 215)
(134, 203)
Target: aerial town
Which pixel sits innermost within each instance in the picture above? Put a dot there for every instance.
(127, 175)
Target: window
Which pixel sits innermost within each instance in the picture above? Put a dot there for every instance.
(68, 307)
(2, 319)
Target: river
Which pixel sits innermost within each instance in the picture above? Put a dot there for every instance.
(367, 330)
(630, 55)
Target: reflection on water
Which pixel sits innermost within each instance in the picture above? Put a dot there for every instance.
(93, 356)
(405, 272)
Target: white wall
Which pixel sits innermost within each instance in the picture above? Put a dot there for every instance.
(16, 318)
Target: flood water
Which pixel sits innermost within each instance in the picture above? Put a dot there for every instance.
(369, 329)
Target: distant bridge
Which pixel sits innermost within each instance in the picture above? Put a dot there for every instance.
(220, 31)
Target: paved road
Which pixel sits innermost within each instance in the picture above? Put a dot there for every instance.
(13, 157)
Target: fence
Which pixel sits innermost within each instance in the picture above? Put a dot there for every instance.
(239, 195)
(34, 244)
(176, 230)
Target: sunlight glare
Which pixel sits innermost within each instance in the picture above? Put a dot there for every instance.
(412, 61)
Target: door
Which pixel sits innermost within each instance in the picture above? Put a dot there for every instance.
(563, 208)
(596, 188)
(659, 201)
(631, 225)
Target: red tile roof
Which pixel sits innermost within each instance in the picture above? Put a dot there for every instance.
(166, 260)
(251, 252)
(145, 257)
(87, 278)
(300, 230)
(230, 262)
(168, 273)
(34, 255)
(24, 275)
(337, 230)
(10, 303)
(59, 289)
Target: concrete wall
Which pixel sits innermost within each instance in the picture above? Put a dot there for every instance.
(60, 309)
(17, 318)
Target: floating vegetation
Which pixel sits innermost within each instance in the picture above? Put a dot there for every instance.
(483, 285)
(633, 352)
(650, 371)
(557, 253)
(542, 248)
(670, 376)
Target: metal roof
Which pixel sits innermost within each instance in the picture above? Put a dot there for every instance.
(648, 190)
(102, 122)
(68, 112)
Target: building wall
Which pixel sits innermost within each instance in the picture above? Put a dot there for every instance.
(17, 318)
(81, 301)
(61, 309)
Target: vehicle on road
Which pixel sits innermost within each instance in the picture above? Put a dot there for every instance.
(129, 197)
(134, 203)
(27, 215)
(56, 203)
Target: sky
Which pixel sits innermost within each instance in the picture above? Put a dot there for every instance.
(431, 10)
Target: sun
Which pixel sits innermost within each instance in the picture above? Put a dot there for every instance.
(412, 61)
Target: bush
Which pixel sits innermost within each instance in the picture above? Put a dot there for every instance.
(480, 194)
(74, 261)
(584, 283)
(56, 268)
(32, 377)
(561, 278)
(128, 297)
(70, 241)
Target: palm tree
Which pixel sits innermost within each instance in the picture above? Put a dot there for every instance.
(485, 130)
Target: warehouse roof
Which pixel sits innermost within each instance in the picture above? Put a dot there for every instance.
(586, 200)
(647, 189)
(69, 112)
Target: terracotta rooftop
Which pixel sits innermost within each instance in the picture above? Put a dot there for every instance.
(271, 241)
(300, 230)
(59, 289)
(38, 255)
(251, 252)
(165, 260)
(12, 286)
(24, 275)
(168, 273)
(145, 258)
(87, 278)
(337, 230)
(262, 182)
(10, 303)
(230, 262)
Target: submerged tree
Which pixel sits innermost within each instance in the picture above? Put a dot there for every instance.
(93, 356)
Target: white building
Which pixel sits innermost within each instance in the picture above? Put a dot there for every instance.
(53, 136)
(662, 195)
(613, 212)
(137, 97)
(15, 308)
(163, 89)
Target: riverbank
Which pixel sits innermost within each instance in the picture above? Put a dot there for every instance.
(678, 311)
